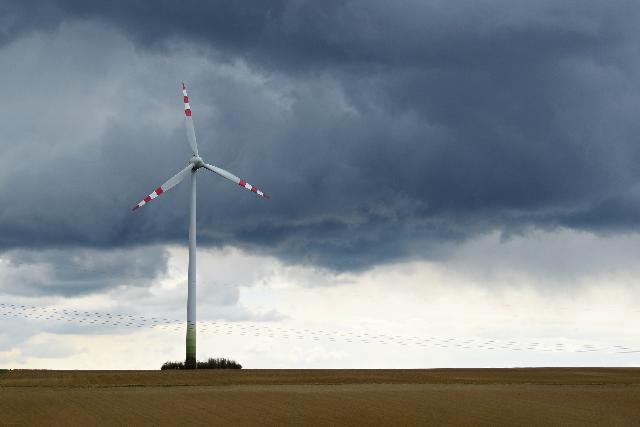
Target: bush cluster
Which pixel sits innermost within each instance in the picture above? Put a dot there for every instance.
(211, 363)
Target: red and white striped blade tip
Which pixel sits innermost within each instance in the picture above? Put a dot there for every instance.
(158, 191)
(253, 189)
(187, 106)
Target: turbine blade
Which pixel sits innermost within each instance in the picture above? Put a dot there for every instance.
(231, 177)
(188, 122)
(172, 182)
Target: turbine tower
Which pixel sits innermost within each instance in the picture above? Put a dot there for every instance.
(195, 163)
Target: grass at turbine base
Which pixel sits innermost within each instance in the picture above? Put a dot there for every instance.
(211, 363)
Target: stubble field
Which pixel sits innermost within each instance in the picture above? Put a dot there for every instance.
(543, 396)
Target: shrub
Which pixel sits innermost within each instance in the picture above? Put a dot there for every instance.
(172, 365)
(219, 363)
(211, 363)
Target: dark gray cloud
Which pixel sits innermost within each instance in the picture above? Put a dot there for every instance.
(72, 272)
(383, 130)
(341, 33)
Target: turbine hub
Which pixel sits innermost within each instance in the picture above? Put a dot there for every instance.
(197, 162)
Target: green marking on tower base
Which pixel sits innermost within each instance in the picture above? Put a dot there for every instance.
(190, 361)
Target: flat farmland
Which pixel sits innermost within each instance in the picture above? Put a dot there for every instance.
(542, 396)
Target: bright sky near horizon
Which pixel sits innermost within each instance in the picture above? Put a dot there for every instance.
(458, 181)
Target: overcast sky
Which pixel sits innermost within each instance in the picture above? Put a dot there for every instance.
(462, 170)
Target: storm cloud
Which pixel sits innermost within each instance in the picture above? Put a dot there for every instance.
(72, 272)
(383, 131)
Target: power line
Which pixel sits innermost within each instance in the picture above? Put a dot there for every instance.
(119, 320)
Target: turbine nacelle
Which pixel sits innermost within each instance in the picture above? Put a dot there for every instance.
(197, 162)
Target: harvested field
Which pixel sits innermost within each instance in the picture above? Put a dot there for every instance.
(580, 396)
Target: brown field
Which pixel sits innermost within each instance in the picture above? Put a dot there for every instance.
(542, 396)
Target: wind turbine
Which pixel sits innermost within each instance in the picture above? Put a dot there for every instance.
(195, 163)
